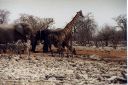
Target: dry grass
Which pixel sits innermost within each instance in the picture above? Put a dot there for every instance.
(104, 53)
(80, 70)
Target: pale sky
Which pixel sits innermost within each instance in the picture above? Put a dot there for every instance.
(64, 10)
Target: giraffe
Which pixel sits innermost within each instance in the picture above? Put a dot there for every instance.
(68, 29)
(60, 38)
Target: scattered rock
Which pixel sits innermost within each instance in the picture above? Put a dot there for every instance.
(94, 57)
(62, 71)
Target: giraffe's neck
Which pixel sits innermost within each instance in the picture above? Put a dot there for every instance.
(68, 28)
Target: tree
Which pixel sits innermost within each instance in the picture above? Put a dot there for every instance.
(122, 23)
(36, 22)
(116, 37)
(4, 14)
(85, 29)
(105, 33)
(108, 35)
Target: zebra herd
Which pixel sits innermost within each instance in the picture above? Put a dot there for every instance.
(18, 47)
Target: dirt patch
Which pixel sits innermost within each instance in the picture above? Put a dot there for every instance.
(103, 53)
(89, 66)
(41, 69)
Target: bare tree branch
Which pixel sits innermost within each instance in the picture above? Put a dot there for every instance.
(4, 14)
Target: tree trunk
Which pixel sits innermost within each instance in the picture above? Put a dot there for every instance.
(106, 43)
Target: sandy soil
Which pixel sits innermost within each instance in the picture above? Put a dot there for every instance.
(42, 69)
(95, 66)
(112, 53)
(104, 52)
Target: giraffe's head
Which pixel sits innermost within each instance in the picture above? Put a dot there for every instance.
(80, 15)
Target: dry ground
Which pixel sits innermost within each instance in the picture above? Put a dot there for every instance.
(104, 53)
(89, 66)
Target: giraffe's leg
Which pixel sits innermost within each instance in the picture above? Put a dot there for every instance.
(60, 49)
(61, 52)
(52, 53)
(71, 50)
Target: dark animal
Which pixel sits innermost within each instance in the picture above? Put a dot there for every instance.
(10, 33)
(3, 48)
(59, 38)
